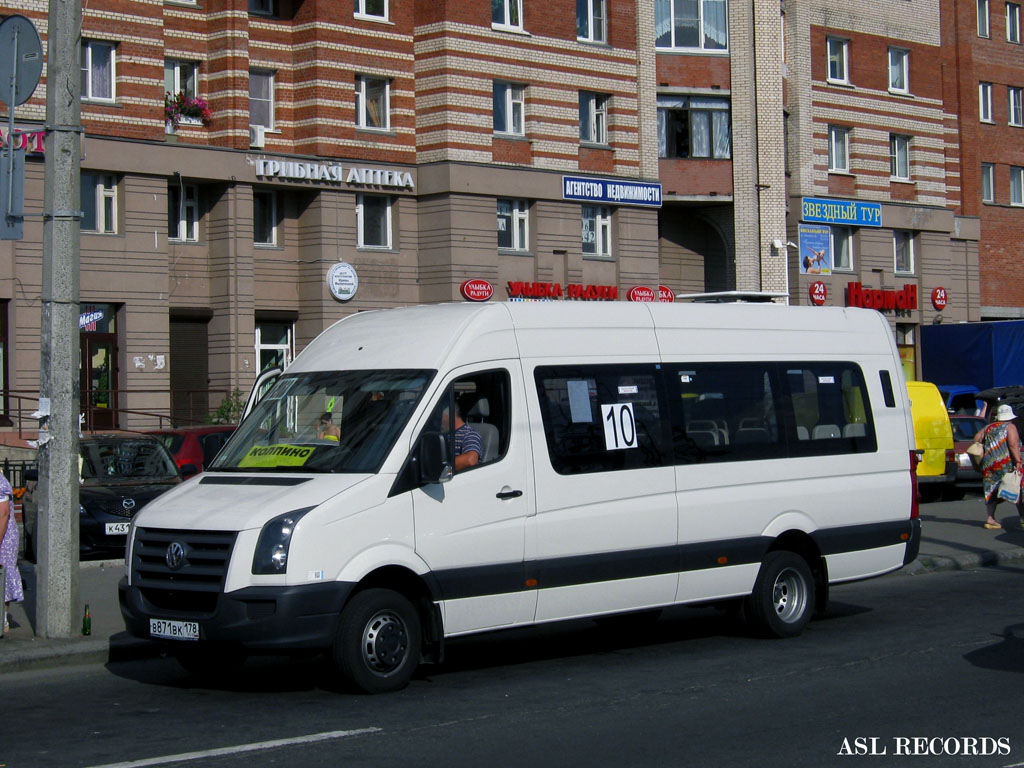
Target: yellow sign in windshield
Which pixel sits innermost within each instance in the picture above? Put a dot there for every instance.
(282, 455)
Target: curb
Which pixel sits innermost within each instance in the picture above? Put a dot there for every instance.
(986, 559)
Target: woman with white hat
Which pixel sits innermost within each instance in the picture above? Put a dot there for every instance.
(1002, 454)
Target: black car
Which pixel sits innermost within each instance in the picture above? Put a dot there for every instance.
(120, 474)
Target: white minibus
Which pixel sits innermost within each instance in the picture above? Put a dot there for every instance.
(426, 472)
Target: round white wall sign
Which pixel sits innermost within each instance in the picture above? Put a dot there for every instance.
(343, 281)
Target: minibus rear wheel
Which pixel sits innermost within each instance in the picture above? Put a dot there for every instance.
(783, 598)
(379, 640)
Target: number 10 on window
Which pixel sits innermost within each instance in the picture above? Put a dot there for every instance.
(619, 426)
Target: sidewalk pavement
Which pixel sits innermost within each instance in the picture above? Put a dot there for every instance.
(952, 538)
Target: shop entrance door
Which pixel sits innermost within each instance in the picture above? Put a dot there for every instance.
(99, 380)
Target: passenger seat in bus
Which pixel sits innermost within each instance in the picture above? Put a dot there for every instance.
(488, 432)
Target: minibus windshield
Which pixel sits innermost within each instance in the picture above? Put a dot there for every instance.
(325, 421)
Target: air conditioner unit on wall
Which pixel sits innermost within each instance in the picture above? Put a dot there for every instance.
(257, 136)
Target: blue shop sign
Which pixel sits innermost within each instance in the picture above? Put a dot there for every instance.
(611, 191)
(852, 213)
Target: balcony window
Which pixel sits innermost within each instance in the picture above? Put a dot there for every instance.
(694, 126)
(691, 24)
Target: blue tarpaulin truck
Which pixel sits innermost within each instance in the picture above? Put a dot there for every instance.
(985, 355)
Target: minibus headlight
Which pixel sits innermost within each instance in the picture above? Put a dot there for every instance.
(275, 539)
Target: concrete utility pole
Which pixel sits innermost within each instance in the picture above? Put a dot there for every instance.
(57, 553)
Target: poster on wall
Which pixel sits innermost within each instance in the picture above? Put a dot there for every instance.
(815, 249)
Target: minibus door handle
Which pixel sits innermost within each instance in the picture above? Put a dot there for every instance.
(509, 494)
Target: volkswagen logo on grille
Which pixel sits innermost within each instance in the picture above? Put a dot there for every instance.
(175, 556)
(127, 504)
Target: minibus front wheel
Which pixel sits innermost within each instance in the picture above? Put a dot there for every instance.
(783, 598)
(379, 640)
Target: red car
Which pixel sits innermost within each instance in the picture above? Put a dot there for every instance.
(964, 429)
(193, 448)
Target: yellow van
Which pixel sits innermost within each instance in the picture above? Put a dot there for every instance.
(936, 468)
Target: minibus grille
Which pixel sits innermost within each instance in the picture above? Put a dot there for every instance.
(181, 570)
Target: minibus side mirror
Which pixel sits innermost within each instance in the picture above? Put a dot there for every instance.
(433, 458)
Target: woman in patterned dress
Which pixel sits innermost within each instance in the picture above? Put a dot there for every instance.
(1002, 455)
(9, 549)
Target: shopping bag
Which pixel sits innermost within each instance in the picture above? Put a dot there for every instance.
(1009, 487)
(976, 451)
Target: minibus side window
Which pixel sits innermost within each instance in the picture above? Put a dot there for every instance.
(725, 412)
(830, 409)
(602, 418)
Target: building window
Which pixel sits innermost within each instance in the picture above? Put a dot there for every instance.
(99, 203)
(903, 252)
(699, 24)
(508, 108)
(590, 21)
(513, 225)
(507, 14)
(275, 345)
(373, 100)
(372, 9)
(988, 182)
(899, 157)
(262, 7)
(593, 117)
(97, 71)
(1015, 99)
(1012, 23)
(842, 249)
(983, 30)
(597, 230)
(838, 60)
(180, 77)
(838, 149)
(373, 221)
(899, 70)
(264, 217)
(694, 126)
(1016, 185)
(261, 98)
(985, 102)
(182, 212)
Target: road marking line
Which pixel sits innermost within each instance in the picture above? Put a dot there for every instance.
(185, 756)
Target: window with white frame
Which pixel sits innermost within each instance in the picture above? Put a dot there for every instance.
(1015, 105)
(99, 202)
(372, 9)
(513, 225)
(593, 117)
(180, 77)
(899, 70)
(695, 24)
(182, 212)
(988, 172)
(1012, 23)
(591, 21)
(694, 126)
(508, 108)
(262, 7)
(985, 102)
(899, 157)
(261, 98)
(983, 28)
(838, 148)
(373, 221)
(842, 249)
(903, 252)
(507, 14)
(1016, 185)
(838, 60)
(265, 220)
(373, 102)
(275, 344)
(597, 231)
(97, 61)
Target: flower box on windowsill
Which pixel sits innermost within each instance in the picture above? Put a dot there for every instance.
(186, 120)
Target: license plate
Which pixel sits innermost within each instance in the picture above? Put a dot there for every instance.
(117, 529)
(174, 630)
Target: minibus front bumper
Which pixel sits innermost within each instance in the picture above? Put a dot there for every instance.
(264, 619)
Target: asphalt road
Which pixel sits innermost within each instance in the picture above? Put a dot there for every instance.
(931, 665)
